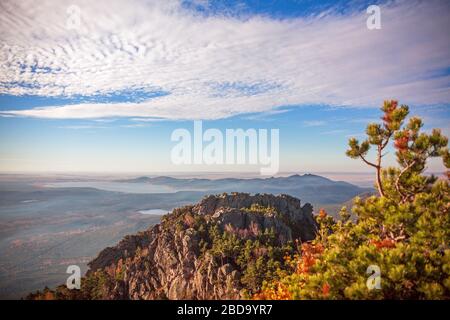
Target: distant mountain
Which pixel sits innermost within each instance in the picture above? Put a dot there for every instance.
(220, 248)
(311, 188)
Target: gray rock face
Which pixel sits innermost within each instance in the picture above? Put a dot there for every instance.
(287, 206)
(166, 262)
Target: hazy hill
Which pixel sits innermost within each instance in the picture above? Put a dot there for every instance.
(312, 188)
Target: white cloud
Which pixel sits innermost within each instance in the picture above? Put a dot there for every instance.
(216, 67)
(137, 125)
(333, 132)
(314, 123)
(81, 127)
(147, 119)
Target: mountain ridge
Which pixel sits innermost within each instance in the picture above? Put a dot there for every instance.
(222, 247)
(313, 188)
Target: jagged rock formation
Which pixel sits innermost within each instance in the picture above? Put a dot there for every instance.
(219, 248)
(300, 218)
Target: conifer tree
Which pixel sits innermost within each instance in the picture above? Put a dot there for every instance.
(405, 231)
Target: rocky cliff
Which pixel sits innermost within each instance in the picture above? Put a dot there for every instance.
(221, 248)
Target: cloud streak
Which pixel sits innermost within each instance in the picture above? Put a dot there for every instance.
(216, 67)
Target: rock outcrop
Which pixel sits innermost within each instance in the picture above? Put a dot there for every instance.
(289, 208)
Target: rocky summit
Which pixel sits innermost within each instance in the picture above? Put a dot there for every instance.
(223, 247)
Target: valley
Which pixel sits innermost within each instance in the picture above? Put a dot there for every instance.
(50, 222)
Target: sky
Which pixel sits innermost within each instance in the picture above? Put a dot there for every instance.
(100, 86)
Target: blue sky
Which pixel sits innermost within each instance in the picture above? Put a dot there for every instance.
(105, 95)
(278, 9)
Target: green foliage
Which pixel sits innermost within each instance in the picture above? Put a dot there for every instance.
(409, 242)
(261, 262)
(356, 149)
(259, 209)
(379, 136)
(258, 259)
(92, 287)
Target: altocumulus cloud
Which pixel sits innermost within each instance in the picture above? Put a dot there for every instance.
(216, 66)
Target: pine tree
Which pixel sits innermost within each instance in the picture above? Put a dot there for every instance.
(405, 231)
